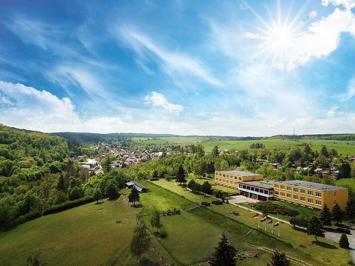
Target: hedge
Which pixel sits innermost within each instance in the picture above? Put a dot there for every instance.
(68, 205)
(268, 207)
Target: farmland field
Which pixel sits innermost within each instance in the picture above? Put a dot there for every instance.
(342, 147)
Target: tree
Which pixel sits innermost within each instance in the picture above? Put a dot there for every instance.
(76, 193)
(111, 191)
(106, 164)
(97, 194)
(315, 227)
(181, 175)
(326, 216)
(155, 220)
(141, 240)
(154, 175)
(279, 259)
(350, 208)
(343, 241)
(344, 170)
(215, 151)
(224, 255)
(133, 196)
(337, 213)
(206, 188)
(324, 152)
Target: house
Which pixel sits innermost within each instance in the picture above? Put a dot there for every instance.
(90, 164)
(309, 194)
(232, 178)
(140, 188)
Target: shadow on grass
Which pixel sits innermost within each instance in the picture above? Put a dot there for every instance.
(325, 245)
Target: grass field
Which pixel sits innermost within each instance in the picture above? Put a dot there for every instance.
(342, 147)
(87, 235)
(303, 245)
(347, 182)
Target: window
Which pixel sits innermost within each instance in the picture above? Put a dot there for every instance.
(318, 203)
(310, 192)
(276, 192)
(303, 199)
(295, 189)
(288, 188)
(310, 200)
(302, 191)
(289, 195)
(318, 194)
(282, 187)
(282, 194)
(295, 196)
(275, 185)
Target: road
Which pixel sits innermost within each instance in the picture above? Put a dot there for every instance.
(336, 236)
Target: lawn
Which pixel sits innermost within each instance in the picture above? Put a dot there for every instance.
(303, 245)
(347, 182)
(86, 235)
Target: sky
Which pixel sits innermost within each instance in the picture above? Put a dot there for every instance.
(236, 68)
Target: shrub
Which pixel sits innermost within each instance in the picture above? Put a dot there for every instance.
(217, 202)
(163, 233)
(68, 205)
(299, 221)
(204, 203)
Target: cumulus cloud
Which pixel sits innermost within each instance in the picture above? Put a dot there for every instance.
(349, 4)
(175, 63)
(157, 99)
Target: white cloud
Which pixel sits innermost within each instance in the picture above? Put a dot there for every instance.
(350, 92)
(174, 62)
(319, 39)
(157, 99)
(348, 4)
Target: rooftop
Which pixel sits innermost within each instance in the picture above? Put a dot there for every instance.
(311, 185)
(238, 172)
(261, 184)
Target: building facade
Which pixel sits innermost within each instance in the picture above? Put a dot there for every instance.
(309, 194)
(231, 179)
(260, 190)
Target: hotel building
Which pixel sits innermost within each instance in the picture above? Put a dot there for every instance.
(231, 179)
(309, 194)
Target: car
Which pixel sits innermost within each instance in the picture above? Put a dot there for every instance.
(344, 230)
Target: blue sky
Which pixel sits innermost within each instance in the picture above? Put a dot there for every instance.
(186, 67)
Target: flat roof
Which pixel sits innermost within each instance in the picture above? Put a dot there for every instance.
(238, 172)
(262, 184)
(311, 185)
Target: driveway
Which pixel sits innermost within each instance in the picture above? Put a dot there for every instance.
(336, 236)
(242, 199)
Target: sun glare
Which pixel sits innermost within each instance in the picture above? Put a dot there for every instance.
(279, 38)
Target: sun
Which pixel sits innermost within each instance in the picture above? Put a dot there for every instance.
(279, 38)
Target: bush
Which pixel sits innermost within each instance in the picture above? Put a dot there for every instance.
(68, 205)
(267, 207)
(204, 203)
(217, 202)
(27, 217)
(163, 233)
(299, 221)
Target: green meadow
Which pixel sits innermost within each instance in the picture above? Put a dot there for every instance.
(342, 147)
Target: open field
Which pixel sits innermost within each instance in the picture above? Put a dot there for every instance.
(342, 147)
(303, 246)
(86, 235)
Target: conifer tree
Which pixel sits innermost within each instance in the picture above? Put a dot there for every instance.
(279, 259)
(315, 227)
(344, 242)
(181, 175)
(141, 240)
(337, 213)
(224, 255)
(326, 216)
(133, 196)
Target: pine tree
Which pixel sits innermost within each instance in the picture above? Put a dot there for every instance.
(344, 242)
(279, 259)
(181, 175)
(315, 227)
(133, 196)
(141, 240)
(350, 208)
(215, 151)
(326, 216)
(155, 221)
(337, 213)
(224, 255)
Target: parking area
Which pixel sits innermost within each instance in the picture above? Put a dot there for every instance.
(242, 199)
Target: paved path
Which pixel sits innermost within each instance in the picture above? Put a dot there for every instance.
(334, 236)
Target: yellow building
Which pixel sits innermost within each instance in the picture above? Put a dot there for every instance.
(232, 178)
(310, 194)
